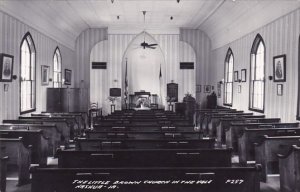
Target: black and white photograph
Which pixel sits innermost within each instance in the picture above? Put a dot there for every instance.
(149, 95)
(45, 75)
(198, 88)
(279, 89)
(279, 68)
(207, 88)
(236, 76)
(68, 76)
(244, 75)
(6, 67)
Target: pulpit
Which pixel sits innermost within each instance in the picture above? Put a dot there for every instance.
(142, 98)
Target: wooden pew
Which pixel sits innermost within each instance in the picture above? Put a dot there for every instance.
(266, 152)
(141, 128)
(237, 128)
(289, 169)
(19, 158)
(3, 168)
(78, 121)
(143, 134)
(61, 124)
(145, 158)
(49, 131)
(200, 113)
(215, 121)
(104, 144)
(82, 115)
(250, 136)
(213, 179)
(226, 122)
(71, 122)
(34, 138)
(207, 116)
(3, 173)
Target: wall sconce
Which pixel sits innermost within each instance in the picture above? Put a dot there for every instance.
(6, 87)
(50, 79)
(239, 80)
(178, 1)
(222, 81)
(270, 78)
(15, 77)
(112, 1)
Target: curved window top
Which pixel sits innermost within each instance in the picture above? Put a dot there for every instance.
(228, 83)
(57, 80)
(27, 75)
(257, 84)
(258, 45)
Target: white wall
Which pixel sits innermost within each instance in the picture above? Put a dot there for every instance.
(187, 76)
(201, 44)
(12, 32)
(195, 46)
(280, 37)
(98, 77)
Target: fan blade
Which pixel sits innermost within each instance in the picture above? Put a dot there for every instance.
(151, 47)
(152, 44)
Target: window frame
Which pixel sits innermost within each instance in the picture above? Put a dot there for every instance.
(27, 35)
(258, 39)
(298, 97)
(226, 63)
(55, 50)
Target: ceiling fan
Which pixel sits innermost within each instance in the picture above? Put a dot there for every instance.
(144, 44)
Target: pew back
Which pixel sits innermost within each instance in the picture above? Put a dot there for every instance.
(214, 179)
(145, 158)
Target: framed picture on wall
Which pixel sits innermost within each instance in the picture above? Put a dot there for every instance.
(236, 76)
(198, 88)
(207, 89)
(279, 68)
(239, 88)
(279, 89)
(244, 75)
(68, 76)
(6, 67)
(45, 75)
(219, 90)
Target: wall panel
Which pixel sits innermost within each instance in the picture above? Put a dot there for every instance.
(116, 47)
(11, 34)
(202, 46)
(281, 37)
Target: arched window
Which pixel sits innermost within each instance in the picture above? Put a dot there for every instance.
(228, 82)
(27, 75)
(298, 108)
(57, 69)
(257, 75)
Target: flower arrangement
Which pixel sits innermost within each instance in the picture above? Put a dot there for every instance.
(112, 99)
(143, 102)
(171, 99)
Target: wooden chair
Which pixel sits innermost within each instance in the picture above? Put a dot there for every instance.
(94, 111)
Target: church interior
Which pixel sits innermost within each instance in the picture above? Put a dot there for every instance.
(149, 95)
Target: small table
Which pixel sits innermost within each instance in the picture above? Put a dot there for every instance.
(170, 107)
(112, 108)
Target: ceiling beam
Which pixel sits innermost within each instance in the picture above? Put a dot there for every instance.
(211, 13)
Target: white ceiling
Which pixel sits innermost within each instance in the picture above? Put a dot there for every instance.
(64, 20)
